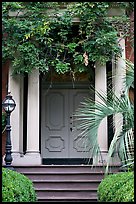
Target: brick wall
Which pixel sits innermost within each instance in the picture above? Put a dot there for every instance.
(129, 51)
(129, 40)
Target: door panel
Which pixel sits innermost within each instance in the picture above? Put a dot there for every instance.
(54, 124)
(60, 136)
(79, 145)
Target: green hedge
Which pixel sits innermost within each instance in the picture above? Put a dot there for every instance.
(16, 187)
(117, 188)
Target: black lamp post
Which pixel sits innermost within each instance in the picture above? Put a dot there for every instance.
(8, 105)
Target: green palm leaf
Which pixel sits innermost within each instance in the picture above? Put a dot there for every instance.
(90, 114)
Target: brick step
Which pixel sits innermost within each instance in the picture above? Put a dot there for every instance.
(67, 199)
(62, 177)
(67, 184)
(65, 168)
(69, 188)
(66, 192)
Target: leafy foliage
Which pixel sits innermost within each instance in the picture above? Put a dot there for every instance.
(16, 187)
(42, 35)
(117, 188)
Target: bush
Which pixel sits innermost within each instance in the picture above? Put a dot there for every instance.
(16, 187)
(117, 188)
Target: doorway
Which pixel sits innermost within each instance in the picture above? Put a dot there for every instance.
(61, 142)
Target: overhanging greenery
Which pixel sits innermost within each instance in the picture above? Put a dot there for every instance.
(36, 37)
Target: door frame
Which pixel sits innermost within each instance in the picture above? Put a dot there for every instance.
(46, 86)
(65, 85)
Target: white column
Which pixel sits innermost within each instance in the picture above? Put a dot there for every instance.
(32, 156)
(119, 73)
(21, 114)
(15, 87)
(120, 69)
(101, 86)
(32, 153)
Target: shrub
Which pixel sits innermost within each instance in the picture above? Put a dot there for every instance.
(16, 187)
(117, 188)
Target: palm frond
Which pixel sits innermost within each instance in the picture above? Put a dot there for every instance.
(91, 113)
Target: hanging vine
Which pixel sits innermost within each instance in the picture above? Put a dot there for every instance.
(43, 36)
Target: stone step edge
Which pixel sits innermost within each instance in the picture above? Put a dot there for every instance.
(66, 197)
(63, 173)
(65, 181)
(67, 189)
(56, 165)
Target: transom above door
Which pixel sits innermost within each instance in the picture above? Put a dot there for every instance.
(60, 137)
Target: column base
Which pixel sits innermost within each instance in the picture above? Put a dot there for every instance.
(15, 155)
(103, 159)
(29, 159)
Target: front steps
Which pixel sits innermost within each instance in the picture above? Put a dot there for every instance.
(65, 183)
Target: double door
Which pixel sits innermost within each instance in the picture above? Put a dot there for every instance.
(60, 137)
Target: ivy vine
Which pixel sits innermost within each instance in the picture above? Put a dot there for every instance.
(43, 36)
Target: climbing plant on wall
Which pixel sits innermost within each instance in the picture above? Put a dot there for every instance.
(43, 35)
